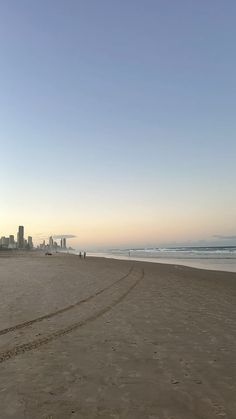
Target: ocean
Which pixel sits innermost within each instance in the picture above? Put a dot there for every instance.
(221, 258)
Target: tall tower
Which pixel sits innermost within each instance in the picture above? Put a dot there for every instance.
(64, 243)
(21, 241)
(11, 241)
(30, 242)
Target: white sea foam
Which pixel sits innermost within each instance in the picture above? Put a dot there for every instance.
(214, 258)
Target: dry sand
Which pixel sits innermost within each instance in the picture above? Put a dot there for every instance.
(103, 338)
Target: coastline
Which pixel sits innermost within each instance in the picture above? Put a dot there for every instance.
(115, 338)
(215, 264)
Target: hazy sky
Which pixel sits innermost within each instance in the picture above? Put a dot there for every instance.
(117, 120)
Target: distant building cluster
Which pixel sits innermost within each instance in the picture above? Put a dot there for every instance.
(27, 244)
(20, 243)
(53, 245)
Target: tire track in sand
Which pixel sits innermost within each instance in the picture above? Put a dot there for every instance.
(62, 310)
(37, 343)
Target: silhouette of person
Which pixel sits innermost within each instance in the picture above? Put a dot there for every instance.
(84, 255)
(80, 255)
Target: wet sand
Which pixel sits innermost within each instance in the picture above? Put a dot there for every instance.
(103, 338)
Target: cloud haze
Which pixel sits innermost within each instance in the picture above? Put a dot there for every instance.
(219, 236)
(64, 236)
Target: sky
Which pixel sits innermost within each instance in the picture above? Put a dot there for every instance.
(117, 121)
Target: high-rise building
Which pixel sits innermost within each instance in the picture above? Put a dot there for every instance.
(64, 243)
(61, 243)
(12, 244)
(21, 241)
(51, 241)
(11, 240)
(30, 242)
(2, 241)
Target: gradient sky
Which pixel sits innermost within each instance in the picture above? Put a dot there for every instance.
(117, 120)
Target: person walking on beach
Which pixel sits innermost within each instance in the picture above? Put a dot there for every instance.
(84, 255)
(80, 255)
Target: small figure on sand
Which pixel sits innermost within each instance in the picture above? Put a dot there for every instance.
(84, 255)
(80, 255)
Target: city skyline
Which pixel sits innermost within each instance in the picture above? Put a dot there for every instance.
(117, 121)
(9, 242)
(21, 243)
(59, 241)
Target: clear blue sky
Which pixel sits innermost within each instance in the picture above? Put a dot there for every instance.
(117, 119)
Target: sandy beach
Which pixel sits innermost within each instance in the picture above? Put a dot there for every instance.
(104, 338)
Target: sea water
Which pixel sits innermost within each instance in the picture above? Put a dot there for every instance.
(221, 258)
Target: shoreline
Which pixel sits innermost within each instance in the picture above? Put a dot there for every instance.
(212, 264)
(220, 264)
